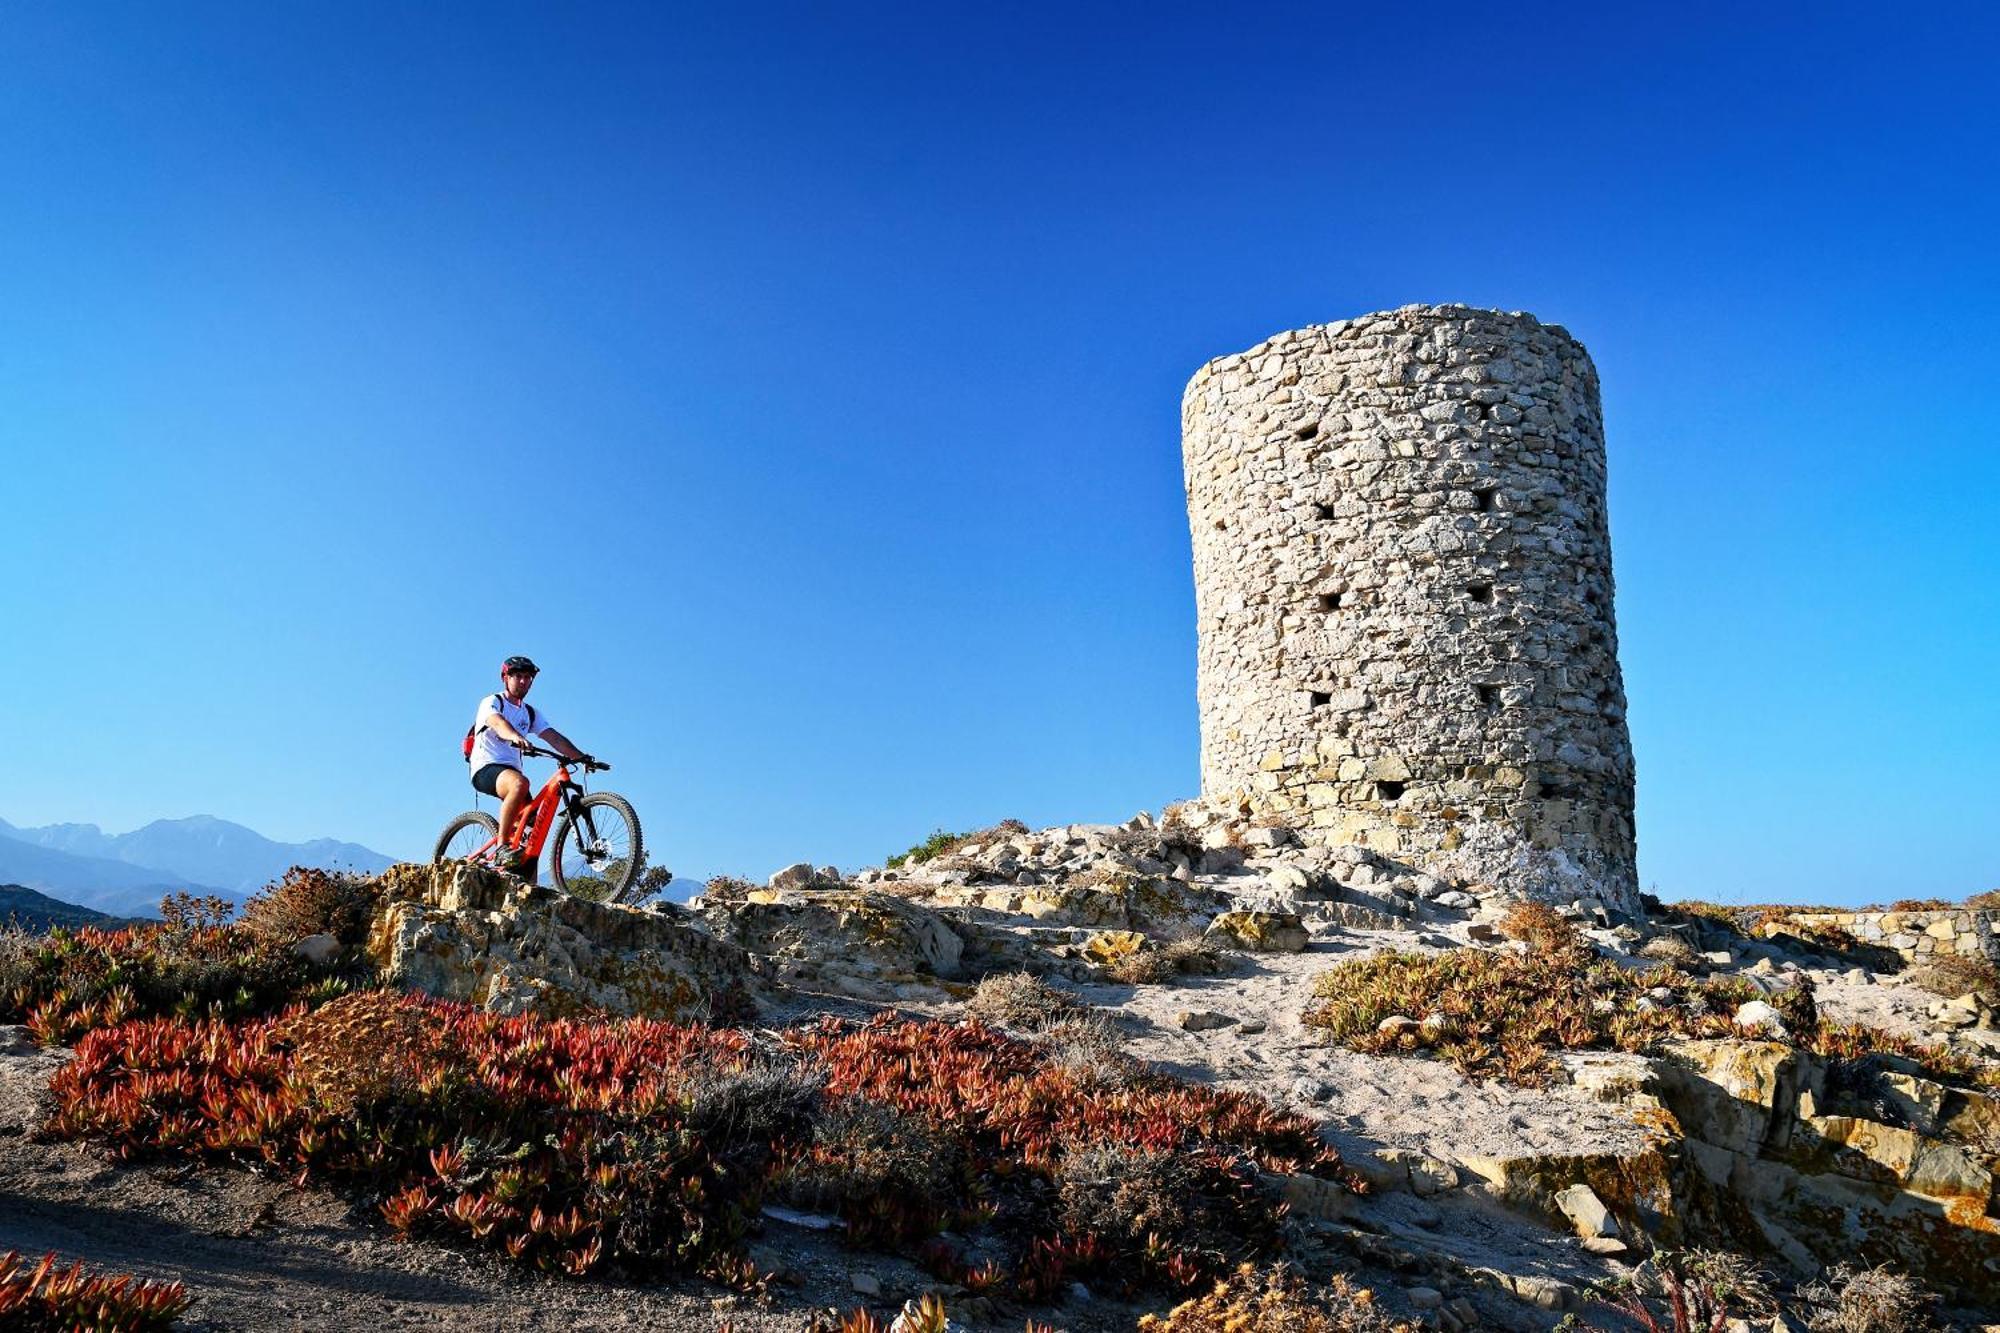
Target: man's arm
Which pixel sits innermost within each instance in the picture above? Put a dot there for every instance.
(561, 744)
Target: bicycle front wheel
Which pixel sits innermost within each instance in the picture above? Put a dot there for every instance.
(598, 850)
(465, 835)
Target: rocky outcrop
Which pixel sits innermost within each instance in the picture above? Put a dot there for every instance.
(1821, 1164)
(863, 943)
(462, 933)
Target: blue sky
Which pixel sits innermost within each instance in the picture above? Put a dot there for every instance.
(800, 386)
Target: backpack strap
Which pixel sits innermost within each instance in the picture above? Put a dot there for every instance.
(500, 707)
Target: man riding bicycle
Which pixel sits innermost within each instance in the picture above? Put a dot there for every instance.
(499, 729)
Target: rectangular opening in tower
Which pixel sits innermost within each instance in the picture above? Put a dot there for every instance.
(1329, 601)
(1489, 697)
(1322, 511)
(1482, 498)
(1390, 791)
(1319, 698)
(1480, 592)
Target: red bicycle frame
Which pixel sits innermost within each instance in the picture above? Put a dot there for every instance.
(536, 820)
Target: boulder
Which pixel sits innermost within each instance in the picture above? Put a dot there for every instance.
(1757, 1016)
(1108, 946)
(862, 942)
(1260, 932)
(798, 875)
(459, 932)
(319, 949)
(1586, 1212)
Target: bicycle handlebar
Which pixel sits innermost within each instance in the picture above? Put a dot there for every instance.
(588, 764)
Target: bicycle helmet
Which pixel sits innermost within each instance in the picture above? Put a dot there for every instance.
(518, 663)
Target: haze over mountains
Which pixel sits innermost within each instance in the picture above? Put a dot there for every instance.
(127, 873)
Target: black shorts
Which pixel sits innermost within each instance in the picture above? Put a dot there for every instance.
(487, 779)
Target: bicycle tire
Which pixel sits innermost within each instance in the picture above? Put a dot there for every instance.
(624, 870)
(470, 819)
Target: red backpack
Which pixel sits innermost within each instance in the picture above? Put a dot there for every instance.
(498, 704)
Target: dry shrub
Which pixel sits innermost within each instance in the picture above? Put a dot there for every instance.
(1919, 905)
(1867, 1300)
(309, 902)
(888, 1174)
(1988, 901)
(1670, 949)
(941, 843)
(727, 888)
(360, 1048)
(1502, 1015)
(1017, 1000)
(1952, 975)
(1200, 1204)
(1540, 927)
(69, 982)
(1277, 1301)
(1690, 1291)
(1089, 1050)
(1151, 965)
(772, 1098)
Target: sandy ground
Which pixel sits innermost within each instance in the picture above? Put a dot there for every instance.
(1368, 1101)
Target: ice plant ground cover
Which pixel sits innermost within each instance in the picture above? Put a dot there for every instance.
(570, 1144)
(52, 1297)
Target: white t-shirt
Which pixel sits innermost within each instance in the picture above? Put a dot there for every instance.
(487, 747)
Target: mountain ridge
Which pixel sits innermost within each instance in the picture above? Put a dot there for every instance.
(127, 873)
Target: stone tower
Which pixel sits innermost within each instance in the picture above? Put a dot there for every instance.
(1403, 584)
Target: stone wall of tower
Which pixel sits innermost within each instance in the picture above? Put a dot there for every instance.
(1403, 583)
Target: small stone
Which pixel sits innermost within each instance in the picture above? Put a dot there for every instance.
(318, 950)
(1430, 1176)
(865, 1284)
(1438, 1028)
(1456, 899)
(1608, 1246)
(1757, 1016)
(1202, 1020)
(1399, 1025)
(1306, 1088)
(1424, 1298)
(1251, 1026)
(1586, 1212)
(1718, 958)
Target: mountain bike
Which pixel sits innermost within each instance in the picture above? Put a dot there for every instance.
(598, 849)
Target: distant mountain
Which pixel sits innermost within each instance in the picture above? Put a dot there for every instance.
(198, 850)
(108, 886)
(24, 907)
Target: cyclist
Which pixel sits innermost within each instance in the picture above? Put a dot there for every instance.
(501, 727)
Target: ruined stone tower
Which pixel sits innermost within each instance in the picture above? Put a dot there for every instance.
(1403, 585)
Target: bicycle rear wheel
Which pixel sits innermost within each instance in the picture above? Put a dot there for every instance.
(598, 851)
(465, 835)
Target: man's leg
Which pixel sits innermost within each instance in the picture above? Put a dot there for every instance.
(512, 786)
